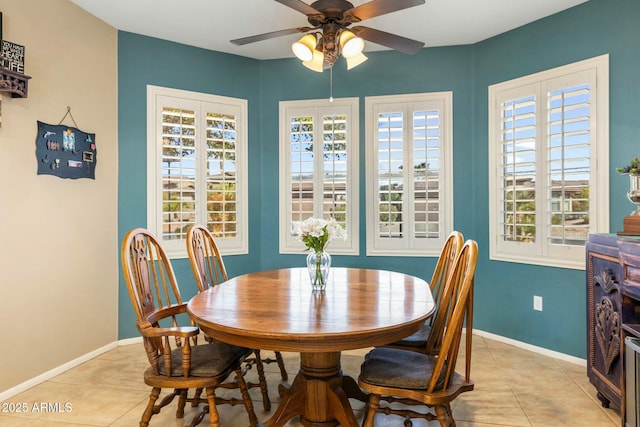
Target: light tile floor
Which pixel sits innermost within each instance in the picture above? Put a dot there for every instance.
(514, 387)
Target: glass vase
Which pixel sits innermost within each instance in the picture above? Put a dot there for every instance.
(318, 264)
(634, 193)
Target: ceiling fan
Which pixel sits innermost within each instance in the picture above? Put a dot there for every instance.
(330, 33)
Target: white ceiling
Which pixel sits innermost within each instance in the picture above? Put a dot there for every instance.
(210, 24)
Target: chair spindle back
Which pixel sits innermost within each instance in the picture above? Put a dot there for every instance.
(153, 289)
(458, 295)
(444, 268)
(205, 258)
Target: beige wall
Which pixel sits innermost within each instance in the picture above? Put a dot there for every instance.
(58, 237)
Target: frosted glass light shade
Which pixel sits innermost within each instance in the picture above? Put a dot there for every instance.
(355, 61)
(303, 48)
(350, 45)
(316, 63)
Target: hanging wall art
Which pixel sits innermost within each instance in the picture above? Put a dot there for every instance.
(65, 151)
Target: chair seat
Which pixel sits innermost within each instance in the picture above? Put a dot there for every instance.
(419, 339)
(207, 360)
(390, 367)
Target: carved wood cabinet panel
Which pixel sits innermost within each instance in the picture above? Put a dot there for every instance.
(613, 311)
(604, 337)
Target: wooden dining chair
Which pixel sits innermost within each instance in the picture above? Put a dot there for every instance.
(417, 379)
(176, 360)
(209, 270)
(424, 341)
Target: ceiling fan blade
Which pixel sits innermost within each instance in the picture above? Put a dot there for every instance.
(378, 7)
(269, 35)
(393, 41)
(301, 7)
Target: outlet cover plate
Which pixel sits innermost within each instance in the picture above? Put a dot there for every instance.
(537, 303)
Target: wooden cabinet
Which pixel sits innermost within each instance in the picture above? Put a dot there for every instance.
(604, 334)
(613, 311)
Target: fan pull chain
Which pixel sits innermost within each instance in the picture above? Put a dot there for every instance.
(331, 84)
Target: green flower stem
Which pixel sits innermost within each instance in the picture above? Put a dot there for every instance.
(318, 281)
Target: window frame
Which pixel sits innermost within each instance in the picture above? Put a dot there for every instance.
(540, 85)
(408, 103)
(289, 243)
(155, 94)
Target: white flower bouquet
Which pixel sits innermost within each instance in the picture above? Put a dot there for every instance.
(316, 233)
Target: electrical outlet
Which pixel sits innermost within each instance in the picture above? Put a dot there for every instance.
(537, 303)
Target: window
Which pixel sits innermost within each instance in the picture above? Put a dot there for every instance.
(319, 169)
(196, 168)
(409, 173)
(549, 164)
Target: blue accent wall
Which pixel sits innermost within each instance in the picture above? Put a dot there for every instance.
(146, 61)
(504, 291)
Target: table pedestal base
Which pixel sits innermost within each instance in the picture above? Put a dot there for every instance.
(319, 394)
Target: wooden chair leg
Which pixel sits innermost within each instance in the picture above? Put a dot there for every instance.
(148, 412)
(248, 404)
(372, 407)
(196, 397)
(452, 421)
(283, 370)
(198, 418)
(266, 402)
(182, 400)
(442, 416)
(214, 418)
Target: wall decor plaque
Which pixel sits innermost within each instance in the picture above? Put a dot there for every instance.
(65, 151)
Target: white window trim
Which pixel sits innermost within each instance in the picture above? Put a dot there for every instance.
(177, 248)
(288, 243)
(565, 257)
(432, 247)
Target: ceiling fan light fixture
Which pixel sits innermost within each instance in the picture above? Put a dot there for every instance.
(355, 61)
(316, 63)
(304, 48)
(350, 44)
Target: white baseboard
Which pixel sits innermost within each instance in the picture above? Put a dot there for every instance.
(532, 348)
(65, 367)
(129, 341)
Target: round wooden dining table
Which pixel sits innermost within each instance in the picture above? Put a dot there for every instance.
(278, 310)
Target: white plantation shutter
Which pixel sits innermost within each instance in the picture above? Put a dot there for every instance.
(427, 174)
(221, 175)
(518, 169)
(196, 168)
(334, 169)
(390, 163)
(301, 168)
(569, 167)
(409, 144)
(319, 169)
(178, 171)
(549, 164)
